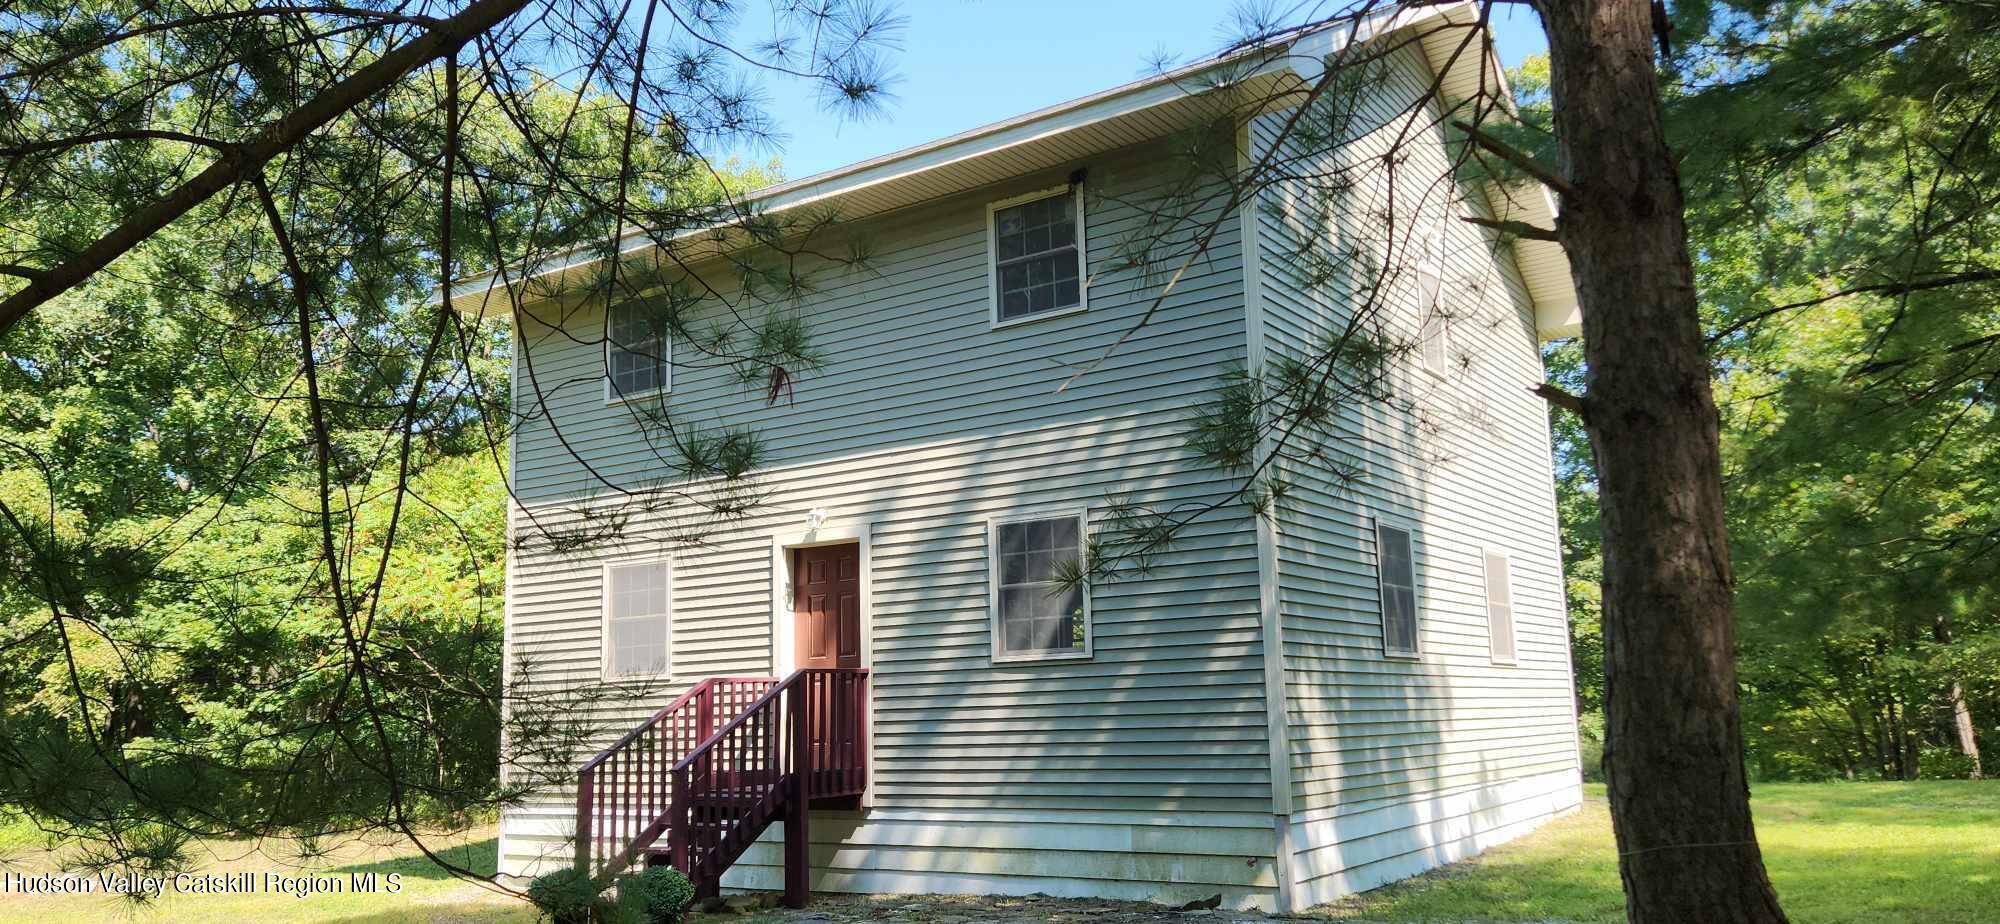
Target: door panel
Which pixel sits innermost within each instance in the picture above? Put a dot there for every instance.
(826, 606)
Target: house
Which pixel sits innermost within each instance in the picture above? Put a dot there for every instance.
(874, 678)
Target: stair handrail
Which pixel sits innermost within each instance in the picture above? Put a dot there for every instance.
(586, 776)
(741, 717)
(793, 750)
(682, 700)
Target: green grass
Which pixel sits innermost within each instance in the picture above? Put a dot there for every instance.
(16, 835)
(427, 893)
(1879, 853)
(1839, 853)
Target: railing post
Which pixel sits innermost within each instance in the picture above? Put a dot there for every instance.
(798, 847)
(677, 823)
(864, 707)
(586, 797)
(704, 712)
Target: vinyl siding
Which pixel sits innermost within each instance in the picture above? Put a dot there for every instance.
(1142, 772)
(1398, 764)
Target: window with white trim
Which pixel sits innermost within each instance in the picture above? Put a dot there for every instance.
(1037, 245)
(1500, 607)
(638, 619)
(1034, 614)
(637, 350)
(1433, 327)
(1396, 574)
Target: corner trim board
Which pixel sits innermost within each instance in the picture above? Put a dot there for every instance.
(1270, 620)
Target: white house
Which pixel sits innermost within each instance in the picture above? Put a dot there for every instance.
(1373, 681)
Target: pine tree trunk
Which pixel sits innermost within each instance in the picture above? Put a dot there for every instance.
(1961, 725)
(1961, 711)
(1680, 802)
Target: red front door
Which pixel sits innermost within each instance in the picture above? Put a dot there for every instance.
(826, 605)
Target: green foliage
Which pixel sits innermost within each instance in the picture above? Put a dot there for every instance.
(1839, 160)
(664, 893)
(1590, 745)
(569, 896)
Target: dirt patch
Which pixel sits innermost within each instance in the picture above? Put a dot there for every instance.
(953, 909)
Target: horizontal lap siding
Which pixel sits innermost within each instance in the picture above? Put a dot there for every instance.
(922, 423)
(1398, 741)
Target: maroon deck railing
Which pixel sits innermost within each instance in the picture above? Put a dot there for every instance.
(806, 739)
(623, 793)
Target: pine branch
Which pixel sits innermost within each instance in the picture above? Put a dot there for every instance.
(1560, 398)
(1519, 229)
(1515, 156)
(77, 141)
(245, 160)
(1885, 288)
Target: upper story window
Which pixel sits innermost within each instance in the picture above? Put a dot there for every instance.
(637, 352)
(1396, 574)
(1433, 327)
(1037, 254)
(1034, 615)
(638, 619)
(1500, 608)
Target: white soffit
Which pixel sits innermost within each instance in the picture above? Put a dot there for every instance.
(1063, 134)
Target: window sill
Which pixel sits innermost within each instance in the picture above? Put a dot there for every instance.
(1403, 655)
(1078, 308)
(1084, 655)
(616, 400)
(664, 677)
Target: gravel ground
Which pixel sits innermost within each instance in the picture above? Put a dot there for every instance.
(947, 909)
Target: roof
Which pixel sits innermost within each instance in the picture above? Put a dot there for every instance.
(1135, 112)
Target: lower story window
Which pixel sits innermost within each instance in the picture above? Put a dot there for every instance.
(638, 619)
(1396, 571)
(1040, 606)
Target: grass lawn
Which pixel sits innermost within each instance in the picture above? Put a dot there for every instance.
(1879, 853)
(427, 894)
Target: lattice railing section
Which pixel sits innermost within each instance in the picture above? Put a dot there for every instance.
(797, 742)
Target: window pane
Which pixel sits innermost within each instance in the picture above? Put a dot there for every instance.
(1017, 634)
(1062, 535)
(1014, 568)
(1036, 614)
(1050, 634)
(638, 646)
(1500, 607)
(636, 602)
(1062, 233)
(1035, 244)
(1398, 583)
(636, 355)
(1399, 619)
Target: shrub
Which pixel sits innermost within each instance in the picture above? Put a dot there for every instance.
(666, 893)
(1947, 763)
(568, 896)
(1590, 741)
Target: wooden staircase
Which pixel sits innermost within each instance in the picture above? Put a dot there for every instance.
(712, 771)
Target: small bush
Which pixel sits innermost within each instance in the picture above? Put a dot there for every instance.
(569, 896)
(1947, 763)
(665, 891)
(1590, 741)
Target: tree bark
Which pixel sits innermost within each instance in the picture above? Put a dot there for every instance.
(1961, 712)
(1680, 800)
(1961, 725)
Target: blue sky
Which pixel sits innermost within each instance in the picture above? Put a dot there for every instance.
(964, 63)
